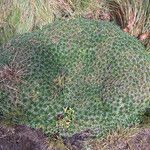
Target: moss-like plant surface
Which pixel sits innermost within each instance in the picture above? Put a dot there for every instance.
(74, 75)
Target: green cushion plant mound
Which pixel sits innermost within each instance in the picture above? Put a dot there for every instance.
(74, 75)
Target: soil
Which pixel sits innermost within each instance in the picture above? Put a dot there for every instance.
(26, 138)
(22, 138)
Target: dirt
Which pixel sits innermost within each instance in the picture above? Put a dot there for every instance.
(26, 138)
(22, 138)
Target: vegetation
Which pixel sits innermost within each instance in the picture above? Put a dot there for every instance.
(89, 67)
(133, 16)
(68, 66)
(18, 16)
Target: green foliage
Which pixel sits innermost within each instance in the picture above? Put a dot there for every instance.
(91, 67)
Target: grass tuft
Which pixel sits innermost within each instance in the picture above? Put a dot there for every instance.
(133, 16)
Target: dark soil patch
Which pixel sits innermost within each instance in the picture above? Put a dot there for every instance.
(26, 138)
(22, 138)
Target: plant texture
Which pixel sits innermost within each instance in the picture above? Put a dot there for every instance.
(75, 75)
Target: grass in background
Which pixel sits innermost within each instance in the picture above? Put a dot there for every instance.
(20, 16)
(6, 30)
(133, 16)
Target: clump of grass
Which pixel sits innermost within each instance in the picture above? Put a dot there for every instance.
(19, 16)
(34, 13)
(88, 8)
(111, 140)
(133, 16)
(82, 7)
(120, 139)
(6, 29)
(121, 135)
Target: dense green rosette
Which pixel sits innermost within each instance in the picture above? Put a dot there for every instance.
(75, 75)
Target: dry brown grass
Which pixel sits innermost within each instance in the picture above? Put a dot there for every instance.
(123, 137)
(133, 16)
(20, 16)
(111, 140)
